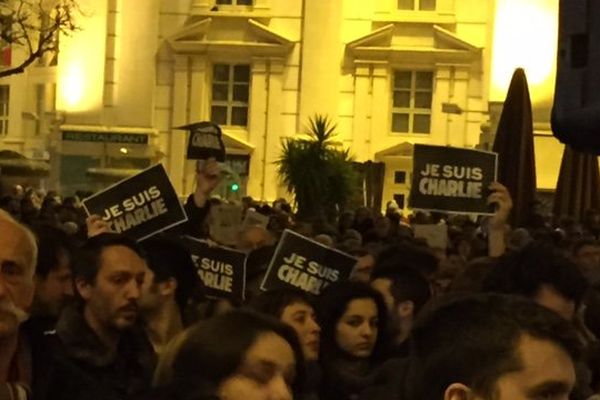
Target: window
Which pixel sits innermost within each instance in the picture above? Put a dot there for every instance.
(5, 55)
(4, 98)
(420, 5)
(235, 2)
(5, 47)
(400, 177)
(230, 94)
(412, 94)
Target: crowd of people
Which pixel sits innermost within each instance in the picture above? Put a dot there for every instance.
(500, 313)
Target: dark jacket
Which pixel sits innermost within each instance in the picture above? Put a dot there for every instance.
(389, 381)
(83, 368)
(345, 379)
(310, 387)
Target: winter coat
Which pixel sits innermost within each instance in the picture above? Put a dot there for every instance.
(82, 367)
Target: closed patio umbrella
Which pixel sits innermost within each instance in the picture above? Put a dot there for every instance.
(514, 145)
(578, 186)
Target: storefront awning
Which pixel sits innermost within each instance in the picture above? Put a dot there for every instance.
(112, 173)
(15, 164)
(235, 145)
(404, 149)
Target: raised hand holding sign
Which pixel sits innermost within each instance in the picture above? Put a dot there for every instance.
(139, 207)
(452, 179)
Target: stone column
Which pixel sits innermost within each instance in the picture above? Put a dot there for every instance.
(177, 144)
(380, 114)
(362, 110)
(257, 129)
(322, 48)
(274, 127)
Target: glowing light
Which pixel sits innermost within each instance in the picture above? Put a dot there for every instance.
(80, 70)
(124, 150)
(235, 187)
(525, 35)
(72, 86)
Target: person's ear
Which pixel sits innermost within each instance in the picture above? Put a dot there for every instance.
(458, 391)
(406, 309)
(83, 288)
(168, 287)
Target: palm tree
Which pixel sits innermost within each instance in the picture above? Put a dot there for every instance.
(319, 175)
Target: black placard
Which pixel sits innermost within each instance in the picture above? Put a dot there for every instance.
(222, 270)
(205, 141)
(302, 263)
(452, 179)
(139, 206)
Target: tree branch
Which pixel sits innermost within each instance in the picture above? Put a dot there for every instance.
(21, 68)
(48, 24)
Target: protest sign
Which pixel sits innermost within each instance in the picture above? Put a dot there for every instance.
(205, 141)
(224, 223)
(435, 235)
(139, 206)
(452, 179)
(222, 270)
(254, 218)
(302, 263)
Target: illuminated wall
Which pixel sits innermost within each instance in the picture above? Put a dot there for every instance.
(526, 35)
(80, 74)
(122, 73)
(134, 95)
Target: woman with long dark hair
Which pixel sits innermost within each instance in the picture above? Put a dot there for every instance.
(239, 355)
(353, 317)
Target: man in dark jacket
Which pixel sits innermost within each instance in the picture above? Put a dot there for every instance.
(98, 350)
(53, 281)
(197, 206)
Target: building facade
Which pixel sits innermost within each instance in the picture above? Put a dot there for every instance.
(390, 73)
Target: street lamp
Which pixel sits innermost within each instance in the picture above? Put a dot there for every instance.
(453, 108)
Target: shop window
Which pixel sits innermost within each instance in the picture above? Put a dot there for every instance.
(5, 35)
(230, 94)
(412, 94)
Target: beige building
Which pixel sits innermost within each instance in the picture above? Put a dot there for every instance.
(390, 73)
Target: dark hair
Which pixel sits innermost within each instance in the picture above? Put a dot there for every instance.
(583, 243)
(274, 302)
(52, 244)
(474, 341)
(524, 271)
(470, 279)
(86, 262)
(332, 305)
(169, 259)
(408, 255)
(407, 284)
(214, 350)
(257, 264)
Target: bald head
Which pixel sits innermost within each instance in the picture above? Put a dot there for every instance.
(253, 237)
